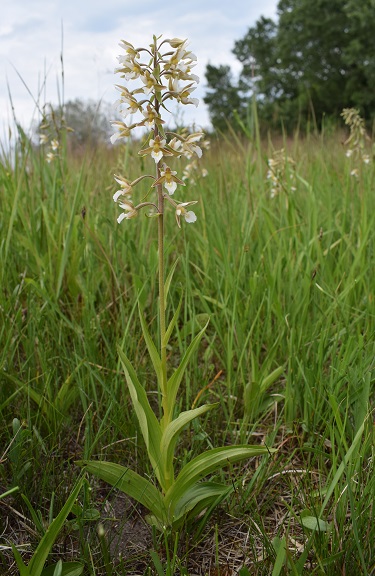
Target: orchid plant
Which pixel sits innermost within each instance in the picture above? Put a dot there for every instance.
(163, 72)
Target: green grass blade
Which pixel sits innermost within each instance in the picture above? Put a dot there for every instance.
(45, 545)
(65, 254)
(280, 549)
(341, 468)
(23, 569)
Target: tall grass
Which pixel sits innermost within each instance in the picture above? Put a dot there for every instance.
(289, 353)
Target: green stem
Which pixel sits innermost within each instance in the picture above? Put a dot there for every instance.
(162, 327)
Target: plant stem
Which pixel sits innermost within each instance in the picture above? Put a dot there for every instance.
(163, 351)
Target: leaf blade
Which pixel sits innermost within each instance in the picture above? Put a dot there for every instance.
(148, 422)
(129, 482)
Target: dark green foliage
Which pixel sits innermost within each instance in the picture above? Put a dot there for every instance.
(316, 60)
(224, 102)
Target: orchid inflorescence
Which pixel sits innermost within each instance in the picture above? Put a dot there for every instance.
(162, 76)
(171, 497)
(356, 143)
(281, 173)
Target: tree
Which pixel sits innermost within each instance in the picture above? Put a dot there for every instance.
(87, 122)
(317, 59)
(222, 102)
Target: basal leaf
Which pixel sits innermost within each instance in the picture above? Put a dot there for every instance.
(67, 569)
(175, 380)
(155, 358)
(148, 422)
(172, 323)
(207, 463)
(170, 437)
(168, 281)
(128, 482)
(313, 523)
(198, 497)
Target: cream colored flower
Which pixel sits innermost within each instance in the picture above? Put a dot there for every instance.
(128, 99)
(123, 131)
(126, 188)
(129, 49)
(150, 82)
(169, 179)
(43, 139)
(157, 149)
(55, 145)
(176, 42)
(182, 94)
(151, 117)
(129, 211)
(189, 215)
(176, 145)
(189, 146)
(129, 68)
(366, 158)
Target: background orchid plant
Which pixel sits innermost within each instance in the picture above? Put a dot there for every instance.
(164, 73)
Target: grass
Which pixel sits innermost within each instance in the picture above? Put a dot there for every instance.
(289, 355)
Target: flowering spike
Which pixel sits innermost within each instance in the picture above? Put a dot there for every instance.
(162, 72)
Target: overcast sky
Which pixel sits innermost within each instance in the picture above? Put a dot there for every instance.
(31, 44)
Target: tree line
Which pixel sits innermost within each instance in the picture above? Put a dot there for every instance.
(315, 60)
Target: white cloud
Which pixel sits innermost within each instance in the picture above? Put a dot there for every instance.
(31, 44)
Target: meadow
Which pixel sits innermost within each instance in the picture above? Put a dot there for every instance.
(286, 281)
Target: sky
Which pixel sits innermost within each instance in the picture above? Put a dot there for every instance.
(34, 35)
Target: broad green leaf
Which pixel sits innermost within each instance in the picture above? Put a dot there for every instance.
(45, 545)
(198, 497)
(175, 380)
(148, 422)
(170, 437)
(57, 569)
(313, 523)
(128, 482)
(271, 378)
(67, 569)
(156, 361)
(206, 463)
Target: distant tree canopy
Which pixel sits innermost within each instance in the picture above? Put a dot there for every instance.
(318, 58)
(87, 122)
